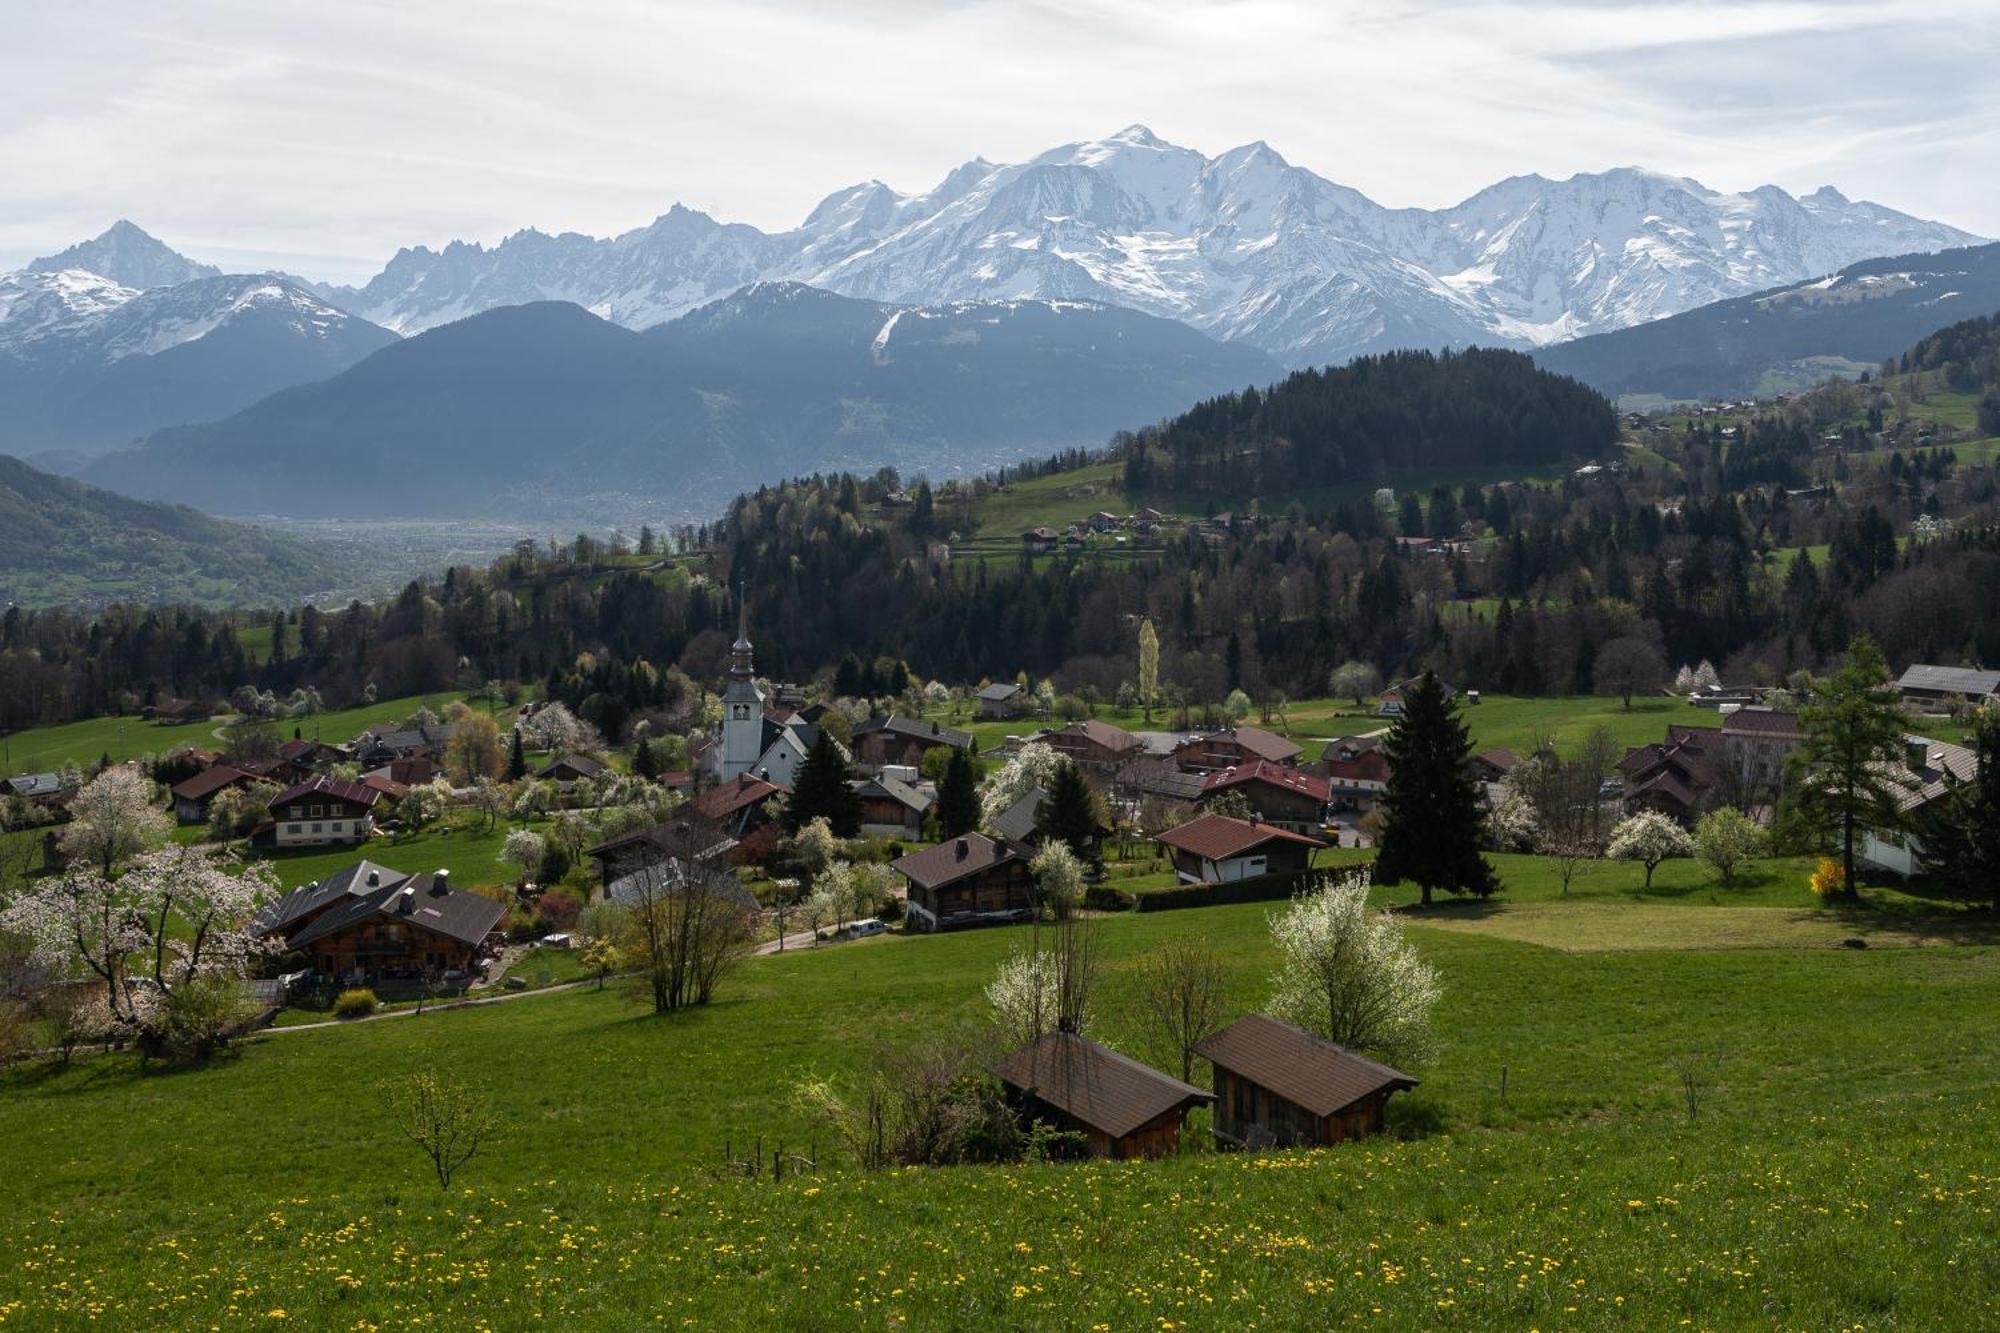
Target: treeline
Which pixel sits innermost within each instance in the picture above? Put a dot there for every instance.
(1400, 410)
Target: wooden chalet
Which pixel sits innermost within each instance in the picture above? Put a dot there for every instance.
(634, 852)
(1491, 766)
(882, 740)
(1211, 752)
(1095, 745)
(568, 768)
(1001, 700)
(1277, 1086)
(738, 806)
(1122, 1108)
(1217, 849)
(891, 808)
(972, 880)
(1288, 797)
(323, 810)
(1039, 541)
(1357, 771)
(192, 796)
(369, 924)
(1676, 776)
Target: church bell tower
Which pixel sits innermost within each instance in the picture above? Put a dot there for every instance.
(742, 703)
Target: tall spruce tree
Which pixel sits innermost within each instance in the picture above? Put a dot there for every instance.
(1960, 835)
(1846, 770)
(1068, 814)
(517, 759)
(1431, 827)
(958, 796)
(821, 789)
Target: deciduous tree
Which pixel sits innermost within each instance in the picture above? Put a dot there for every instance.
(1346, 973)
(1649, 838)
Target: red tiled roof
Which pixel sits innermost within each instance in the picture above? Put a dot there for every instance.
(1275, 775)
(720, 802)
(333, 788)
(1219, 837)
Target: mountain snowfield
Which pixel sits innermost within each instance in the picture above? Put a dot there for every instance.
(1245, 246)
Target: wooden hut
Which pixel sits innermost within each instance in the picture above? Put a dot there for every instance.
(1121, 1107)
(1280, 1086)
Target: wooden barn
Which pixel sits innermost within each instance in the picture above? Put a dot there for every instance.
(1121, 1107)
(1280, 1086)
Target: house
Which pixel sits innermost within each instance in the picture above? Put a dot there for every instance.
(569, 768)
(192, 796)
(1491, 766)
(630, 853)
(372, 749)
(1937, 688)
(310, 756)
(1676, 776)
(882, 740)
(1390, 702)
(1210, 752)
(1020, 821)
(1150, 778)
(1757, 743)
(891, 808)
(649, 883)
(1103, 521)
(738, 806)
(972, 880)
(1357, 771)
(1123, 1109)
(1218, 849)
(1928, 770)
(1093, 744)
(1039, 541)
(1001, 700)
(40, 788)
(368, 924)
(1288, 797)
(323, 810)
(1280, 1086)
(413, 771)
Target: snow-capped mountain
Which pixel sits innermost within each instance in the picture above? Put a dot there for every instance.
(128, 256)
(1244, 245)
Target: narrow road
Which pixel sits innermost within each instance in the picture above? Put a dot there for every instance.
(800, 940)
(440, 1008)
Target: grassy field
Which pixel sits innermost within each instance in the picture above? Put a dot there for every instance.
(1839, 1173)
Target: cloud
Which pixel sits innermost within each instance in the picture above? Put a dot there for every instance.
(321, 138)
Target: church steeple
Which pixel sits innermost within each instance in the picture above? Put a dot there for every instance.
(742, 701)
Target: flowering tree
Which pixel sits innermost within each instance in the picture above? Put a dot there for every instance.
(1649, 838)
(1511, 822)
(424, 802)
(1058, 880)
(554, 727)
(524, 848)
(1033, 765)
(1724, 838)
(113, 818)
(1023, 993)
(177, 917)
(1348, 975)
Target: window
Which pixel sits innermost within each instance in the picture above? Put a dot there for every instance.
(291, 828)
(317, 811)
(317, 828)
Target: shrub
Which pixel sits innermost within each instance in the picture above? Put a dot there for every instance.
(1726, 837)
(1828, 879)
(202, 1015)
(557, 912)
(1104, 898)
(355, 1003)
(1414, 1115)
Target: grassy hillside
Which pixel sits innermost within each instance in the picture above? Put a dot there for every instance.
(65, 543)
(1839, 1172)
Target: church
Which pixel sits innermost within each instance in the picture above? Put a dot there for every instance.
(763, 741)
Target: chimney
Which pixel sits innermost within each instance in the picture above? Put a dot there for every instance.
(374, 879)
(961, 849)
(406, 901)
(935, 729)
(440, 882)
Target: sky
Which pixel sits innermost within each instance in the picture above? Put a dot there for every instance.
(321, 138)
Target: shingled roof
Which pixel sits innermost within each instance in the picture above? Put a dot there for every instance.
(1968, 681)
(1095, 1084)
(951, 861)
(1219, 837)
(914, 728)
(332, 788)
(1308, 1071)
(1273, 775)
(365, 889)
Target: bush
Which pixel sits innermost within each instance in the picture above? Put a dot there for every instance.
(202, 1015)
(1260, 889)
(1414, 1115)
(1104, 898)
(557, 912)
(521, 924)
(355, 1003)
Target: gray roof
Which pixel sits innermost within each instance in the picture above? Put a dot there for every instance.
(1017, 822)
(309, 898)
(1000, 691)
(433, 905)
(669, 876)
(35, 784)
(893, 789)
(1969, 681)
(916, 729)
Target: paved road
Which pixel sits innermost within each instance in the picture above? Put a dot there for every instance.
(800, 940)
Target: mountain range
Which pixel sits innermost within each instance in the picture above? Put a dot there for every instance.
(1792, 336)
(545, 409)
(1245, 246)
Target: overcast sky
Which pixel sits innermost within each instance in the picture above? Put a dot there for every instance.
(319, 138)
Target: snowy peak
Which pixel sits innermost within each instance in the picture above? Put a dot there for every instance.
(71, 316)
(127, 255)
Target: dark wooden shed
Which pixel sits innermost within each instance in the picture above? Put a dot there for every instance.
(1121, 1107)
(1281, 1086)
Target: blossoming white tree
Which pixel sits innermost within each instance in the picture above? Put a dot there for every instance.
(554, 727)
(1649, 838)
(1033, 765)
(1025, 994)
(524, 848)
(1058, 880)
(113, 818)
(1348, 974)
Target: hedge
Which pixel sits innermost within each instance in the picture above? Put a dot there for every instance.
(1258, 889)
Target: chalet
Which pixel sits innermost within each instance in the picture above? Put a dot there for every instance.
(569, 768)
(631, 853)
(1280, 1086)
(1123, 1109)
(1150, 778)
(1937, 687)
(1217, 849)
(1095, 745)
(1287, 797)
(1039, 541)
(392, 791)
(372, 749)
(650, 883)
(972, 880)
(368, 924)
(903, 740)
(891, 808)
(1390, 702)
(40, 788)
(1149, 515)
(739, 806)
(192, 796)
(1757, 744)
(310, 756)
(1103, 521)
(1676, 776)
(1001, 700)
(1211, 752)
(1357, 771)
(1926, 776)
(1020, 822)
(413, 771)
(321, 811)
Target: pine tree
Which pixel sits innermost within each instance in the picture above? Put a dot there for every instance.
(1068, 813)
(958, 796)
(1960, 835)
(821, 789)
(517, 759)
(645, 763)
(1432, 827)
(1846, 767)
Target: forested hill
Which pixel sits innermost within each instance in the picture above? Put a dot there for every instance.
(1969, 355)
(1352, 423)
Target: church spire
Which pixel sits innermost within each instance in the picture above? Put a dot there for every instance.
(741, 668)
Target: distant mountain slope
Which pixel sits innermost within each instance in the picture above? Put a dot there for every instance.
(62, 542)
(545, 409)
(1790, 335)
(1244, 245)
(89, 363)
(128, 256)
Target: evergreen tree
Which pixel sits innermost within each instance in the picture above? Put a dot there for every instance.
(1845, 768)
(958, 796)
(1960, 835)
(821, 789)
(1068, 813)
(645, 761)
(517, 759)
(1431, 827)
